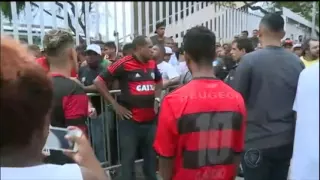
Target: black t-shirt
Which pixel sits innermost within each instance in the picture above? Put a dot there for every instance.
(87, 76)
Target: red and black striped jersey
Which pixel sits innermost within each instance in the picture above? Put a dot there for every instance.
(202, 125)
(70, 103)
(137, 82)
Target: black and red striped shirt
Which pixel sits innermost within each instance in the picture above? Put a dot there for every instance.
(70, 106)
(202, 125)
(137, 82)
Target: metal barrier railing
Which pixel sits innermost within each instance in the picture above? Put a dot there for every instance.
(106, 122)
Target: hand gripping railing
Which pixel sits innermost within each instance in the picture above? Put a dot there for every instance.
(106, 121)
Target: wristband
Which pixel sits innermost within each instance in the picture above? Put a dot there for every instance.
(157, 99)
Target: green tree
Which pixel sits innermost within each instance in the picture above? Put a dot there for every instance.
(302, 8)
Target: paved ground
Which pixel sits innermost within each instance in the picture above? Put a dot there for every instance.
(140, 175)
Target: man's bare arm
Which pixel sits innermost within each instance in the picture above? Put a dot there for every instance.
(90, 89)
(171, 82)
(104, 91)
(158, 89)
(166, 168)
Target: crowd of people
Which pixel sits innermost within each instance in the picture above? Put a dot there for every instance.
(198, 112)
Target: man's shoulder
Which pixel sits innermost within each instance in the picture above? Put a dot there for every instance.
(154, 37)
(105, 62)
(83, 68)
(123, 61)
(166, 64)
(64, 86)
(310, 72)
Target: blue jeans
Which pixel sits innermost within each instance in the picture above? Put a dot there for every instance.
(134, 135)
(98, 133)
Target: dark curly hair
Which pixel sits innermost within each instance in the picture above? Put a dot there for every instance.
(25, 95)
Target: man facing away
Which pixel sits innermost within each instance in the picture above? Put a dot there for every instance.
(201, 125)
(70, 102)
(305, 159)
(140, 84)
(267, 80)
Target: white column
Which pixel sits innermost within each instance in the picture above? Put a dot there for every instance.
(167, 12)
(54, 14)
(87, 21)
(124, 33)
(220, 28)
(15, 21)
(190, 7)
(139, 18)
(1, 23)
(115, 17)
(238, 26)
(29, 19)
(154, 15)
(97, 21)
(132, 19)
(106, 7)
(185, 9)
(65, 15)
(161, 11)
(233, 22)
(147, 22)
(41, 22)
(229, 24)
(76, 23)
(173, 12)
(179, 10)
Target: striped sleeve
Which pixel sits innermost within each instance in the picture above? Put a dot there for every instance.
(114, 71)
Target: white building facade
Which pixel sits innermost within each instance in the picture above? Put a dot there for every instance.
(121, 21)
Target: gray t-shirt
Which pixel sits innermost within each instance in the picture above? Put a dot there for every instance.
(267, 79)
(185, 77)
(154, 39)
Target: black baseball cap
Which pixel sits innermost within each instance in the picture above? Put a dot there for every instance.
(158, 25)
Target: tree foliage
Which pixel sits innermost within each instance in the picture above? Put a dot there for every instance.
(303, 8)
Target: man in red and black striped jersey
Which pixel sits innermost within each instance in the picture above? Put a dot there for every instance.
(70, 103)
(140, 84)
(201, 125)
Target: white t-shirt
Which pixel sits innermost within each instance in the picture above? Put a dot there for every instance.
(42, 172)
(182, 67)
(305, 159)
(167, 70)
(173, 60)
